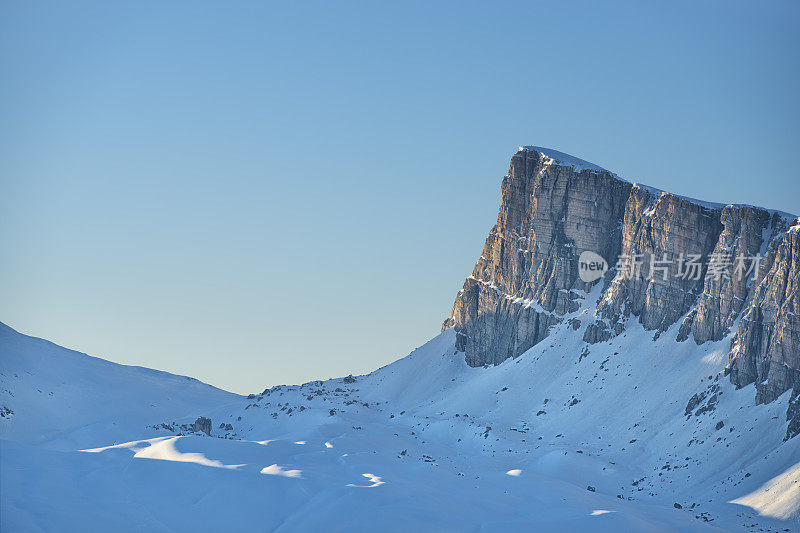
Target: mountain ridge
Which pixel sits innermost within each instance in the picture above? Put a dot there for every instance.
(582, 164)
(556, 206)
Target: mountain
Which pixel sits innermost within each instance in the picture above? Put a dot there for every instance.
(556, 206)
(547, 403)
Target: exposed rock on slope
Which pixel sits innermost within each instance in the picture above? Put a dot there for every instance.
(766, 347)
(527, 276)
(743, 233)
(556, 206)
(659, 226)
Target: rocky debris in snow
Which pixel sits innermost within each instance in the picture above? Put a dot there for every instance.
(710, 405)
(203, 425)
(694, 401)
(574, 401)
(710, 396)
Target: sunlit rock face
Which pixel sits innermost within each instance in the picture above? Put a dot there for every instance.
(745, 230)
(766, 347)
(527, 277)
(659, 226)
(555, 207)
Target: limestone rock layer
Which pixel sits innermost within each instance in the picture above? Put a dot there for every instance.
(718, 270)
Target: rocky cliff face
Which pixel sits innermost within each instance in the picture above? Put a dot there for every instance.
(527, 277)
(674, 260)
(659, 228)
(766, 347)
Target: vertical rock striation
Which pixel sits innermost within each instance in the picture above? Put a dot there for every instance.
(556, 206)
(659, 226)
(526, 279)
(743, 235)
(766, 347)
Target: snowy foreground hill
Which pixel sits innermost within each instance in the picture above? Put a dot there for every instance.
(555, 440)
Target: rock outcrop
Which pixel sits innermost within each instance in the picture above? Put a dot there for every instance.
(657, 228)
(746, 232)
(527, 277)
(202, 425)
(674, 259)
(766, 347)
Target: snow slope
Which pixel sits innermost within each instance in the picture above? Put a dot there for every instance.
(559, 439)
(65, 400)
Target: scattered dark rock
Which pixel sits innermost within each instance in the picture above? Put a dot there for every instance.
(694, 401)
(202, 424)
(710, 405)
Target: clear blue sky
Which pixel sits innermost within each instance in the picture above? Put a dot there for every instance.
(259, 193)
